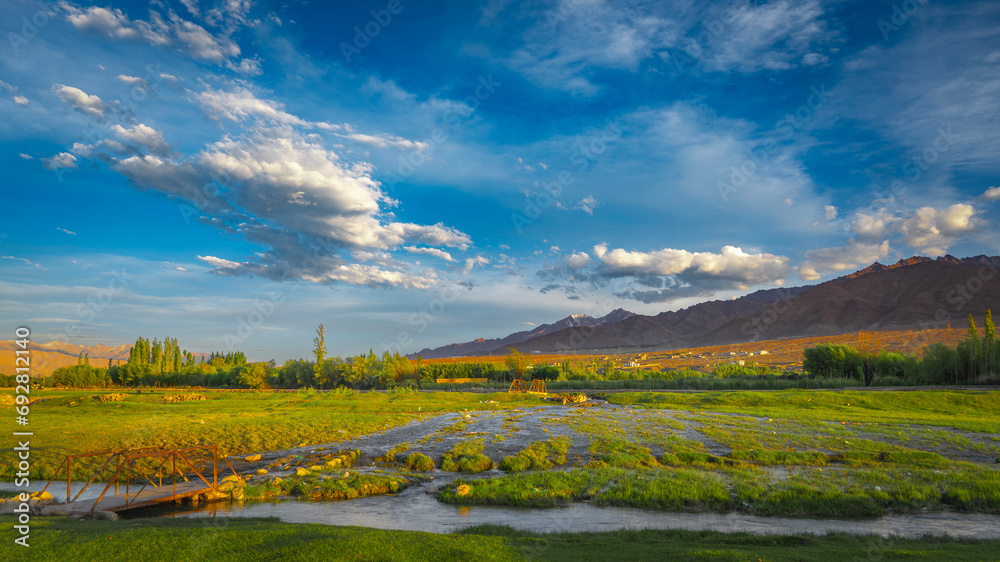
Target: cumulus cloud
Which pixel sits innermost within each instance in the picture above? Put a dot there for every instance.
(854, 255)
(436, 252)
(578, 260)
(21, 100)
(829, 212)
(931, 231)
(172, 32)
(992, 193)
(143, 136)
(470, 263)
(61, 160)
(668, 274)
(81, 101)
(283, 190)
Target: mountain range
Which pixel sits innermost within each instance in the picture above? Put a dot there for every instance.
(914, 293)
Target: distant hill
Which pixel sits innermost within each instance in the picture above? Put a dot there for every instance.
(47, 357)
(483, 346)
(914, 292)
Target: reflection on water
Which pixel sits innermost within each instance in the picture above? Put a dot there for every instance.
(413, 510)
(58, 489)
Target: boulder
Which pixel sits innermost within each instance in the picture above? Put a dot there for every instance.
(261, 471)
(431, 489)
(41, 496)
(54, 510)
(106, 515)
(253, 458)
(301, 472)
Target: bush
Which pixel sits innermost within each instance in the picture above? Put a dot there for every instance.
(419, 461)
(467, 457)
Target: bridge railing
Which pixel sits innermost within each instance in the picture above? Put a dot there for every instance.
(129, 463)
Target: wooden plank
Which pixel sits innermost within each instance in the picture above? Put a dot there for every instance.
(145, 498)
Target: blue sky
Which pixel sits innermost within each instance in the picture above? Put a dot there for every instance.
(413, 174)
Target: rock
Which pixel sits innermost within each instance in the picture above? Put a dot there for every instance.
(106, 515)
(431, 490)
(253, 458)
(316, 467)
(54, 510)
(301, 472)
(276, 481)
(226, 487)
(238, 494)
(335, 463)
(232, 478)
(261, 471)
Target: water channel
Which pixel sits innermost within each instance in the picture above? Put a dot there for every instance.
(415, 510)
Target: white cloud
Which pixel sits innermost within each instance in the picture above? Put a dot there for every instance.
(578, 37)
(766, 36)
(70, 232)
(872, 228)
(470, 263)
(587, 204)
(430, 252)
(133, 80)
(21, 100)
(830, 212)
(731, 263)
(61, 160)
(143, 136)
(170, 32)
(384, 140)
(26, 156)
(81, 101)
(665, 275)
(992, 193)
(854, 255)
(931, 231)
(246, 67)
(578, 260)
(286, 192)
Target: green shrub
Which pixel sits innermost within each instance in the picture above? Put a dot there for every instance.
(419, 461)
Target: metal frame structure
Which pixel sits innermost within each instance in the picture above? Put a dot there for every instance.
(125, 460)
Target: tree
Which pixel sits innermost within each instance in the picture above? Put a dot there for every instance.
(517, 363)
(989, 344)
(972, 345)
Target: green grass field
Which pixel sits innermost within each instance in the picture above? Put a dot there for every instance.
(71, 422)
(221, 539)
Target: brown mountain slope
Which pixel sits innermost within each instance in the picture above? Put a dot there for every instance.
(915, 292)
(926, 294)
(47, 357)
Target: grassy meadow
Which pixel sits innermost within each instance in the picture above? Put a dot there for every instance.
(221, 539)
(74, 421)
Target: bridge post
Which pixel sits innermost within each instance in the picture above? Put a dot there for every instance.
(69, 474)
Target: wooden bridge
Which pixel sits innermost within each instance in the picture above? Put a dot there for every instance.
(137, 484)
